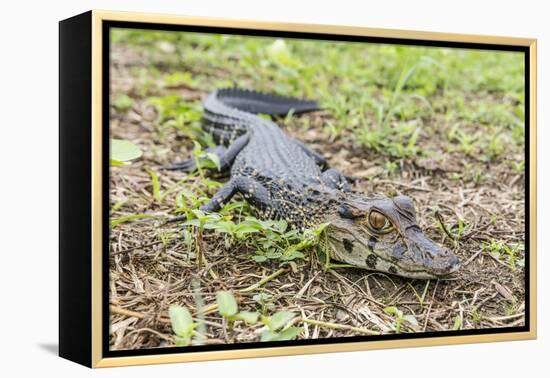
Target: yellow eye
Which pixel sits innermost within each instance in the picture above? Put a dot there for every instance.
(377, 220)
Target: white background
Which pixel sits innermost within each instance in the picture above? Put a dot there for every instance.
(29, 189)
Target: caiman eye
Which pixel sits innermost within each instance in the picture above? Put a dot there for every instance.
(378, 221)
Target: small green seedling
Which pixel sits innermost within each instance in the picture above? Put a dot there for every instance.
(391, 167)
(179, 79)
(279, 327)
(509, 255)
(477, 317)
(279, 54)
(457, 325)
(123, 152)
(129, 218)
(155, 183)
(182, 325)
(201, 220)
(459, 228)
(205, 160)
(518, 166)
(496, 146)
(399, 318)
(122, 103)
(228, 308)
(264, 300)
(419, 297)
(467, 141)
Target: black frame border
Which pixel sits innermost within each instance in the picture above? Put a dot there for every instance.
(75, 194)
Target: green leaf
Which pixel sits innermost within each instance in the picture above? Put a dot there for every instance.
(129, 218)
(398, 322)
(262, 298)
(215, 159)
(197, 149)
(273, 255)
(288, 334)
(122, 102)
(267, 335)
(124, 151)
(264, 116)
(178, 78)
(227, 305)
(155, 183)
(192, 222)
(182, 321)
(259, 258)
(319, 230)
(185, 194)
(278, 52)
(457, 324)
(118, 205)
(247, 316)
(182, 340)
(279, 320)
(199, 213)
(245, 229)
(116, 163)
(392, 310)
(292, 255)
(227, 227)
(254, 223)
(281, 225)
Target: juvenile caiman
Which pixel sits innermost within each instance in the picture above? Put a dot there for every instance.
(283, 179)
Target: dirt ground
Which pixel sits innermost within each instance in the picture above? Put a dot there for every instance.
(152, 265)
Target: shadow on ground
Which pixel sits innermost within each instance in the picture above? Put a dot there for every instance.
(52, 348)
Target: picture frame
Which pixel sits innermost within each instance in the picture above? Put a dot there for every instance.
(84, 140)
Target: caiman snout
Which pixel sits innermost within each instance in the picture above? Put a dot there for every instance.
(431, 256)
(445, 262)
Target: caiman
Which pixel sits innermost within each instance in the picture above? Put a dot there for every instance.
(282, 178)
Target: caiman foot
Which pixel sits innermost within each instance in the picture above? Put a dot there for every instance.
(336, 180)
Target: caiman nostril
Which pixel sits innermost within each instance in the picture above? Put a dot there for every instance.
(454, 263)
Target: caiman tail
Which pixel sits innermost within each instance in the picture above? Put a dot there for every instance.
(258, 102)
(231, 112)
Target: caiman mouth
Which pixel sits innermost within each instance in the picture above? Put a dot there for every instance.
(452, 264)
(364, 257)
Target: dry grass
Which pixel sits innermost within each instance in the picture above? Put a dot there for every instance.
(152, 266)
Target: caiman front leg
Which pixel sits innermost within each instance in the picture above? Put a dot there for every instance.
(221, 197)
(225, 154)
(254, 192)
(335, 179)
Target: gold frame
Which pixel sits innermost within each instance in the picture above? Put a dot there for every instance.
(99, 16)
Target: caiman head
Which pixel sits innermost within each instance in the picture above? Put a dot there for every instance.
(381, 234)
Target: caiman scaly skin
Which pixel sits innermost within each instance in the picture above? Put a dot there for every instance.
(283, 179)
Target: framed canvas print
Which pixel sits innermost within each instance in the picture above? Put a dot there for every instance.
(234, 189)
